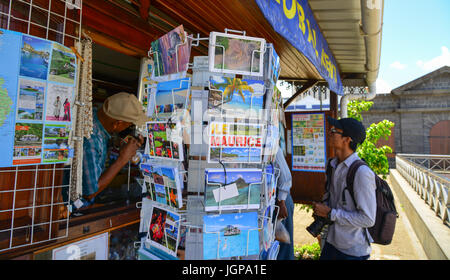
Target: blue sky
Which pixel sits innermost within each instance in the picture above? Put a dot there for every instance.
(415, 40)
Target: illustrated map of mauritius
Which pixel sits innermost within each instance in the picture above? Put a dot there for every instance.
(5, 103)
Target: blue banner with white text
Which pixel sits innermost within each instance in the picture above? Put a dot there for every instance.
(294, 20)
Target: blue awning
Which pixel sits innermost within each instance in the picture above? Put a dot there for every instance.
(294, 20)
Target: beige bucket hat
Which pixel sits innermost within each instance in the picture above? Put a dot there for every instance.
(124, 106)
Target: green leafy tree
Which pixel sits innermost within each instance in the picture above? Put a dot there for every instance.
(375, 157)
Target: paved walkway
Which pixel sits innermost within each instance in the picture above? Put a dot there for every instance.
(404, 246)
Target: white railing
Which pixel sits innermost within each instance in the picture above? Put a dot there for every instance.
(421, 173)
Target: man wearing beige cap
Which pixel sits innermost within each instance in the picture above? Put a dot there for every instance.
(118, 112)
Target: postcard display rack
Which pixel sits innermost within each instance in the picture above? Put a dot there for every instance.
(209, 178)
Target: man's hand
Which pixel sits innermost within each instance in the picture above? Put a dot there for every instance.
(283, 213)
(129, 150)
(321, 210)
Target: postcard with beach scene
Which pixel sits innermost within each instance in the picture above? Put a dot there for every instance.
(30, 102)
(163, 232)
(35, 57)
(230, 235)
(163, 141)
(240, 190)
(165, 184)
(63, 65)
(170, 97)
(235, 142)
(171, 52)
(236, 54)
(233, 97)
(56, 143)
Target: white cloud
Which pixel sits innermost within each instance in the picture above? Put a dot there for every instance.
(437, 62)
(383, 86)
(397, 65)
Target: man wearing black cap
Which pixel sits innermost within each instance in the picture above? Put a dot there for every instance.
(347, 237)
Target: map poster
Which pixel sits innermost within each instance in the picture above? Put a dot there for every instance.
(29, 70)
(308, 142)
(27, 143)
(9, 67)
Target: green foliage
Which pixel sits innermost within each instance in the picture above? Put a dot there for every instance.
(355, 107)
(307, 252)
(306, 207)
(375, 157)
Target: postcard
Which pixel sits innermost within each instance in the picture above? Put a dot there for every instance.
(165, 184)
(271, 65)
(236, 54)
(56, 143)
(164, 140)
(163, 232)
(235, 142)
(233, 97)
(230, 235)
(169, 97)
(30, 102)
(270, 185)
(59, 100)
(27, 143)
(240, 190)
(63, 65)
(35, 57)
(171, 52)
(268, 228)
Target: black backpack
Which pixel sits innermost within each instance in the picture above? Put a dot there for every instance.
(383, 229)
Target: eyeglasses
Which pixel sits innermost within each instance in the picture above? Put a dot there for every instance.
(334, 131)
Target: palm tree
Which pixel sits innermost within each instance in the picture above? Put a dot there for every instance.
(233, 85)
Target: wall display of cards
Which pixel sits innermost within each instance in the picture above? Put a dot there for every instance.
(308, 142)
(235, 98)
(164, 230)
(230, 235)
(37, 82)
(164, 140)
(164, 184)
(236, 189)
(235, 142)
(236, 54)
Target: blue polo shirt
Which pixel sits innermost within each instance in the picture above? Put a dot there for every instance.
(95, 152)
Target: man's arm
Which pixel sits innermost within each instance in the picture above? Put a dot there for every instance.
(125, 154)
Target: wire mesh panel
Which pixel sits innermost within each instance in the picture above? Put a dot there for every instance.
(34, 199)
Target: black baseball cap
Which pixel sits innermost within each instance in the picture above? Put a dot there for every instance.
(351, 128)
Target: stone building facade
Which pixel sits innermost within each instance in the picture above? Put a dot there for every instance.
(420, 110)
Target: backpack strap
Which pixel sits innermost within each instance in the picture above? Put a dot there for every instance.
(351, 178)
